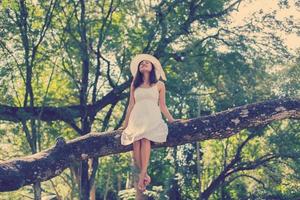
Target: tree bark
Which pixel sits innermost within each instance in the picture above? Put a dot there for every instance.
(62, 113)
(37, 189)
(199, 167)
(49, 163)
(175, 190)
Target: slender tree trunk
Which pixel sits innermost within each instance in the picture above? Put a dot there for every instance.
(93, 192)
(119, 183)
(223, 187)
(37, 190)
(84, 182)
(174, 191)
(129, 180)
(199, 153)
(107, 185)
(85, 123)
(74, 177)
(23, 25)
(93, 165)
(37, 186)
(75, 170)
(199, 167)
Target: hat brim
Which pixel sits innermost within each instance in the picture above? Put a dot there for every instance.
(140, 57)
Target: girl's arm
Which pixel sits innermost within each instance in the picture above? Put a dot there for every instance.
(130, 106)
(162, 103)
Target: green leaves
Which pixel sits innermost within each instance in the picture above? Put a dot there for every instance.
(210, 66)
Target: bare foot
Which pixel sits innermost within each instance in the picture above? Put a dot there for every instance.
(141, 184)
(147, 180)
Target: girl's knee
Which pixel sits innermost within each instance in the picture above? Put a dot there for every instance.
(138, 142)
(145, 140)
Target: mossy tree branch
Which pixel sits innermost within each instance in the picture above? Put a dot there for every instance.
(47, 164)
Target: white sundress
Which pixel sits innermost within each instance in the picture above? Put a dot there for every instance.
(145, 119)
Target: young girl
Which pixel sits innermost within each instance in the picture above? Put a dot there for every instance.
(143, 121)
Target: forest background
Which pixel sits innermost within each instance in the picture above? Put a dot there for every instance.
(217, 54)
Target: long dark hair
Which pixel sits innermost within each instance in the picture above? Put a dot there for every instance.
(138, 80)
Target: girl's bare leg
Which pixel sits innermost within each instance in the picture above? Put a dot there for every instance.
(145, 152)
(137, 153)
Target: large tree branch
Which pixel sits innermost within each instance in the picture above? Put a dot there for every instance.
(247, 176)
(51, 162)
(64, 113)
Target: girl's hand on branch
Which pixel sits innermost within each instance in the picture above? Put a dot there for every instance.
(174, 120)
(121, 128)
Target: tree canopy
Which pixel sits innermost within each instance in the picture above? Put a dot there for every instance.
(64, 73)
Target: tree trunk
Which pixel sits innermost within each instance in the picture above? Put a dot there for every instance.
(93, 192)
(84, 182)
(119, 183)
(107, 184)
(75, 179)
(199, 167)
(37, 191)
(223, 186)
(129, 181)
(174, 191)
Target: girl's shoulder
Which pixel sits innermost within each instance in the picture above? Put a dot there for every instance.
(160, 85)
(159, 82)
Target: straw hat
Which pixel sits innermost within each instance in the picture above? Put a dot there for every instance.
(159, 72)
